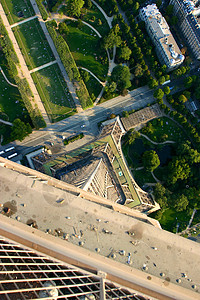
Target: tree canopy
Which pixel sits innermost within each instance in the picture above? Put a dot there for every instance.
(124, 52)
(178, 169)
(158, 94)
(74, 7)
(20, 130)
(112, 38)
(121, 75)
(150, 160)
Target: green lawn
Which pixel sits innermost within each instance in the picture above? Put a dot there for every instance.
(142, 177)
(168, 220)
(84, 45)
(11, 104)
(94, 12)
(17, 10)
(166, 126)
(93, 87)
(54, 92)
(33, 44)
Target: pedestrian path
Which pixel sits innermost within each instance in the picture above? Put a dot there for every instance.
(53, 48)
(102, 83)
(108, 19)
(24, 72)
(6, 122)
(155, 143)
(24, 21)
(14, 85)
(43, 66)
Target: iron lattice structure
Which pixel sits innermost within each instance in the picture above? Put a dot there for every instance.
(26, 274)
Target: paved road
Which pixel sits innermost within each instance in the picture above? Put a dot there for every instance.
(25, 72)
(90, 118)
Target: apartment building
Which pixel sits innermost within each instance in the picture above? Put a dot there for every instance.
(188, 13)
(166, 47)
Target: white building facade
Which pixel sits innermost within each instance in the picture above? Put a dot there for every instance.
(188, 13)
(166, 47)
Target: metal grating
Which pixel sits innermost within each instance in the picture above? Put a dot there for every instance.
(25, 274)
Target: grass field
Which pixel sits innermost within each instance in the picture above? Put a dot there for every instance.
(33, 44)
(13, 9)
(84, 45)
(166, 126)
(54, 92)
(94, 12)
(142, 177)
(93, 87)
(11, 104)
(168, 220)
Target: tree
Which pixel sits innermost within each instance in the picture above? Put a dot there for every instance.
(112, 38)
(181, 203)
(158, 94)
(124, 52)
(166, 90)
(153, 83)
(88, 3)
(182, 98)
(169, 9)
(136, 7)
(74, 7)
(138, 72)
(63, 28)
(160, 197)
(150, 160)
(20, 130)
(85, 75)
(178, 169)
(162, 79)
(121, 75)
(132, 136)
(197, 93)
(110, 87)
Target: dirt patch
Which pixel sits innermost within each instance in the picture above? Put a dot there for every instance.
(136, 232)
(9, 208)
(169, 247)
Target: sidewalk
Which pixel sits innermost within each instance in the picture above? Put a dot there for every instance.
(24, 69)
(53, 48)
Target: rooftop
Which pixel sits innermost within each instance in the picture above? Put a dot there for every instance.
(49, 205)
(162, 33)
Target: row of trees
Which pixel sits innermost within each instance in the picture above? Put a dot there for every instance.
(23, 86)
(69, 63)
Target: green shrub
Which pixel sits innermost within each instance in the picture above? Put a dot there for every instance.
(22, 84)
(70, 66)
(42, 10)
(73, 138)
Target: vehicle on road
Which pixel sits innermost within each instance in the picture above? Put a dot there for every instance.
(82, 126)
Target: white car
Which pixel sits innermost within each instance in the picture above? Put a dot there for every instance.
(82, 126)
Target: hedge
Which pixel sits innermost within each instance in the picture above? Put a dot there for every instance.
(42, 9)
(22, 84)
(70, 66)
(73, 138)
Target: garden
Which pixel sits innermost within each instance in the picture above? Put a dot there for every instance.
(54, 93)
(85, 48)
(174, 167)
(11, 103)
(17, 10)
(34, 46)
